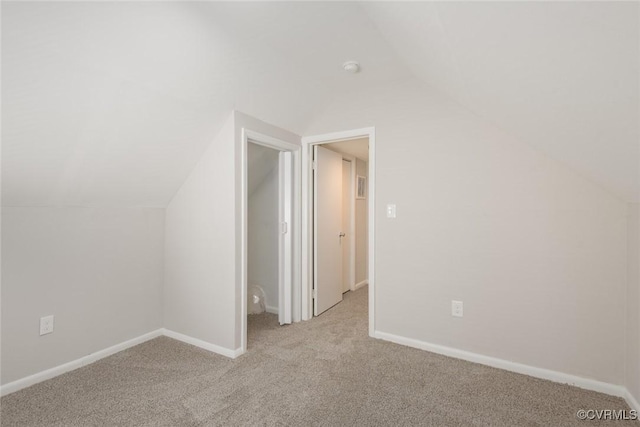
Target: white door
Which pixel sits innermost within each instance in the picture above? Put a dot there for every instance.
(285, 241)
(327, 229)
(345, 241)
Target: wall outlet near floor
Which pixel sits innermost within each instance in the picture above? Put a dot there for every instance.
(456, 308)
(46, 325)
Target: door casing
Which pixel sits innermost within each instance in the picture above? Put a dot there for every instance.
(306, 282)
(277, 144)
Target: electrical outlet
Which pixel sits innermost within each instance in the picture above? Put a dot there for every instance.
(46, 325)
(456, 309)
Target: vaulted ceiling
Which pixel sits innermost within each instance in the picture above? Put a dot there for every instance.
(561, 76)
(113, 103)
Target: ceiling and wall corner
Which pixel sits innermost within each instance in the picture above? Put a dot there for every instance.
(560, 76)
(114, 103)
(261, 161)
(358, 148)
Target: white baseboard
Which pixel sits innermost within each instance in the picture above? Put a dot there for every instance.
(75, 364)
(270, 309)
(542, 373)
(93, 357)
(361, 284)
(546, 374)
(202, 344)
(632, 401)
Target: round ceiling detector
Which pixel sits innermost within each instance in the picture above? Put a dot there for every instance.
(351, 67)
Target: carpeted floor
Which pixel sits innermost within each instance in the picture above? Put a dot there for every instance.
(322, 372)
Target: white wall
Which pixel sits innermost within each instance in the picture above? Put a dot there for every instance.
(97, 270)
(362, 236)
(536, 252)
(199, 251)
(262, 222)
(633, 303)
(202, 289)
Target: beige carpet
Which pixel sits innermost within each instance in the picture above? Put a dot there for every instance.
(322, 372)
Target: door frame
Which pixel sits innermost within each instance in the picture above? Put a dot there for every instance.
(250, 136)
(285, 236)
(352, 221)
(307, 220)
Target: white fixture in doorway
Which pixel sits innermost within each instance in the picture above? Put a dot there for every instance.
(307, 223)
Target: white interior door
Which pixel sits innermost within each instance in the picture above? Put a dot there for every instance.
(285, 267)
(345, 241)
(327, 229)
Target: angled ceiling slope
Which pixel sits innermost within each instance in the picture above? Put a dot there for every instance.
(561, 76)
(113, 103)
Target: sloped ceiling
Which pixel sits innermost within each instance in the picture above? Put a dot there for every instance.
(358, 148)
(112, 103)
(261, 161)
(561, 76)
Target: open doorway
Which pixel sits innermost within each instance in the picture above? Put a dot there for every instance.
(263, 239)
(338, 219)
(270, 226)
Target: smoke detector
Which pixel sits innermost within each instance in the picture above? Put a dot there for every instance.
(351, 67)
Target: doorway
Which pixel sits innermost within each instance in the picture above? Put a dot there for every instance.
(326, 245)
(263, 203)
(270, 229)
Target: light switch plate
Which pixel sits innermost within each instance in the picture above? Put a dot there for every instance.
(391, 211)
